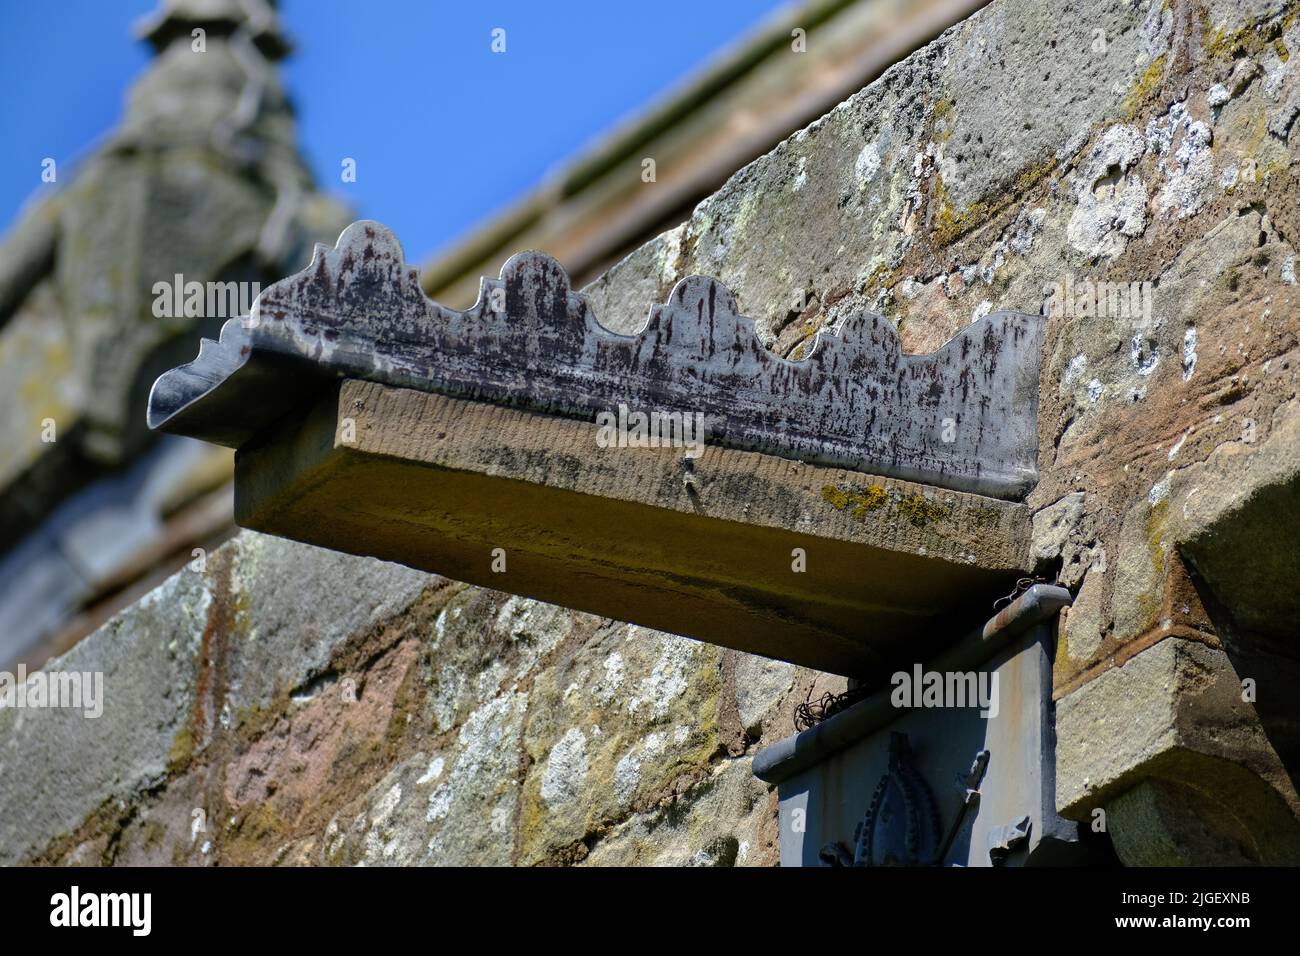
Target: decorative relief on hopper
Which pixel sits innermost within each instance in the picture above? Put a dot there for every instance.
(964, 417)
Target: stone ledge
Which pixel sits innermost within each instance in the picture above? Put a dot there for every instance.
(1173, 719)
(701, 548)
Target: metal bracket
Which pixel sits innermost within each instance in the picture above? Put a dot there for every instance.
(1004, 839)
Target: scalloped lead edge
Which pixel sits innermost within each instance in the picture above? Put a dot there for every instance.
(963, 417)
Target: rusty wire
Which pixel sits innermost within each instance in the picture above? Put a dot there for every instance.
(812, 712)
(1022, 585)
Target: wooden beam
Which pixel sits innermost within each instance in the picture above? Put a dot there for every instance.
(702, 547)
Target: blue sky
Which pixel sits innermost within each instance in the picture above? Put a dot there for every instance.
(443, 130)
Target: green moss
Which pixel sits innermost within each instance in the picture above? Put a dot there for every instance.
(260, 828)
(152, 833)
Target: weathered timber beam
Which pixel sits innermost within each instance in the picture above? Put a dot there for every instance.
(702, 547)
(964, 417)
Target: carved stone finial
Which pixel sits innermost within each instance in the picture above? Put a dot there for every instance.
(177, 18)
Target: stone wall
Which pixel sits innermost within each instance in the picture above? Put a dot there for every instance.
(1035, 144)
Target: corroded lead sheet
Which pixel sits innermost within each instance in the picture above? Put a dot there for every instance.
(963, 417)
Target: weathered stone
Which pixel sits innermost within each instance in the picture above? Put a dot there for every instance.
(1139, 568)
(1056, 533)
(1159, 823)
(615, 727)
(59, 767)
(206, 653)
(1236, 516)
(1083, 625)
(727, 819)
(944, 189)
(451, 807)
(761, 685)
(1175, 713)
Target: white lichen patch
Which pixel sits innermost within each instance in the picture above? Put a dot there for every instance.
(1075, 370)
(445, 698)
(533, 628)
(1111, 200)
(1144, 353)
(486, 756)
(434, 772)
(866, 165)
(627, 772)
(439, 804)
(566, 769)
(627, 775)
(800, 174)
(1027, 225)
(1189, 352)
(669, 678)
(1159, 491)
(611, 681)
(1189, 171)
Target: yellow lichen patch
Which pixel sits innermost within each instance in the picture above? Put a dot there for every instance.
(942, 112)
(858, 503)
(951, 223)
(984, 517)
(1146, 86)
(181, 752)
(920, 510)
(1249, 40)
(1149, 602)
(1063, 664)
(258, 828)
